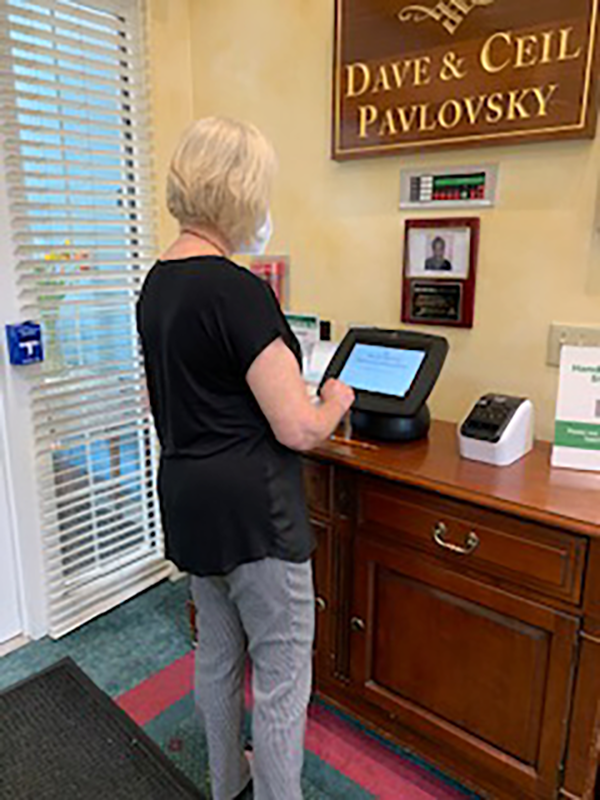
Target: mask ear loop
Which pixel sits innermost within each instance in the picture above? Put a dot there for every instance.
(265, 234)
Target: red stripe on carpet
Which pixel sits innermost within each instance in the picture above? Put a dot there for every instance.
(370, 764)
(154, 695)
(365, 761)
(344, 748)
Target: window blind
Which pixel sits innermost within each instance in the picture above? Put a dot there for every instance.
(75, 128)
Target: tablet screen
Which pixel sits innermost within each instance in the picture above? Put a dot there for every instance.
(384, 370)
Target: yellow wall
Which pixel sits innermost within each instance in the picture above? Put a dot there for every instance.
(270, 61)
(172, 98)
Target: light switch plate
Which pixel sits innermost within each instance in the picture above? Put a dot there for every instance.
(576, 335)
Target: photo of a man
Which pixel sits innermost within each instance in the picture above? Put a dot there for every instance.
(439, 253)
(438, 262)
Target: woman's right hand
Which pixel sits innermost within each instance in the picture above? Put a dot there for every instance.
(277, 384)
(335, 391)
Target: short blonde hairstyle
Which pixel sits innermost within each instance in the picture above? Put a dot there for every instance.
(220, 178)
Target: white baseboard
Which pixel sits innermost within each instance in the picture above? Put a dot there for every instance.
(13, 644)
(176, 575)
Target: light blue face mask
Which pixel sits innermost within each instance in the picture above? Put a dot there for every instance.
(259, 244)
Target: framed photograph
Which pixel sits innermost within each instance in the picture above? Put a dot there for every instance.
(440, 270)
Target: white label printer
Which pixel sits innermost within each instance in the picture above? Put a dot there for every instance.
(499, 430)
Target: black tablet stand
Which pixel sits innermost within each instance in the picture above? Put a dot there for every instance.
(391, 427)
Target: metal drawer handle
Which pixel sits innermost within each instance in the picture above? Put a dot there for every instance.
(358, 625)
(471, 544)
(321, 604)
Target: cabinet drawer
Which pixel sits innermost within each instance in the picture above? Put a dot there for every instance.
(523, 553)
(317, 481)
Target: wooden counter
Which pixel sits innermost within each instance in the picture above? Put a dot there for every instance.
(459, 609)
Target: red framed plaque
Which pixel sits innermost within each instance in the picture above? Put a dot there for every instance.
(440, 271)
(275, 270)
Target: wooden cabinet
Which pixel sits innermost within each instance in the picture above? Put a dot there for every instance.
(461, 611)
(318, 495)
(317, 480)
(582, 776)
(584, 742)
(478, 669)
(322, 570)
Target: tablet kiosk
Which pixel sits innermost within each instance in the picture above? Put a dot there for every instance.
(393, 373)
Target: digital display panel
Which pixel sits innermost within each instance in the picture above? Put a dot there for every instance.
(448, 188)
(458, 181)
(383, 370)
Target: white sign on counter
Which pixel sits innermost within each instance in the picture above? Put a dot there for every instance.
(307, 330)
(577, 435)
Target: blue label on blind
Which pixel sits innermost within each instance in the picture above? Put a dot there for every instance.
(24, 343)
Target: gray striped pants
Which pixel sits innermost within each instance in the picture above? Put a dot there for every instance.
(267, 609)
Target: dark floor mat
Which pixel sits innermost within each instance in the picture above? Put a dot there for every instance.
(61, 738)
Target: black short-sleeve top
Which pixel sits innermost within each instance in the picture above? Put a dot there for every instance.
(229, 492)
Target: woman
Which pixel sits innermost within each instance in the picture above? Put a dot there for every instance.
(232, 413)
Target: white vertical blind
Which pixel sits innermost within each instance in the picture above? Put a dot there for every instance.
(74, 124)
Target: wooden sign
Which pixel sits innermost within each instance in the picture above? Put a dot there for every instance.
(434, 73)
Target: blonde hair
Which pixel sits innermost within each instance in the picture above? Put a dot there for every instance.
(220, 178)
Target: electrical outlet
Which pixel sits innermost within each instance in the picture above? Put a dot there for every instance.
(576, 335)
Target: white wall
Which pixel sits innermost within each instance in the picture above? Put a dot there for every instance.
(20, 457)
(10, 607)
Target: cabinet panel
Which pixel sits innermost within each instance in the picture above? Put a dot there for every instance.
(317, 483)
(583, 757)
(322, 579)
(476, 668)
(592, 591)
(525, 554)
